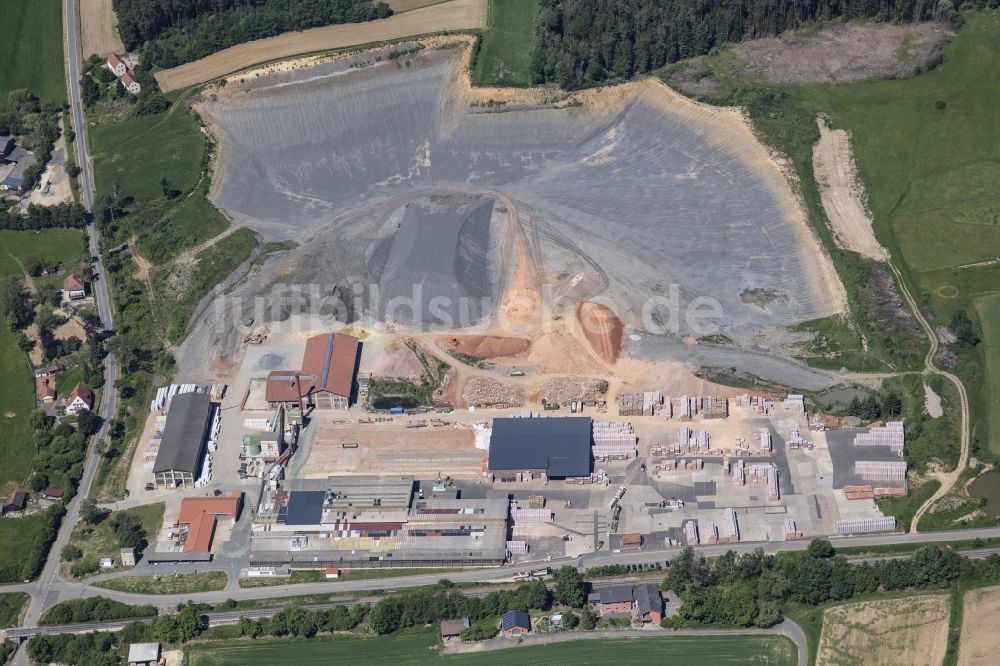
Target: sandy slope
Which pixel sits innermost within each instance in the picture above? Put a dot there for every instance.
(841, 193)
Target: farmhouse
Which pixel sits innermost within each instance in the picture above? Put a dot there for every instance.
(648, 608)
(117, 65)
(53, 493)
(80, 398)
(74, 288)
(45, 390)
(14, 165)
(371, 521)
(130, 84)
(615, 600)
(200, 515)
(554, 447)
(515, 624)
(185, 433)
(326, 380)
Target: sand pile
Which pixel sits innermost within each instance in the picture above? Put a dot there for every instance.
(488, 346)
(603, 330)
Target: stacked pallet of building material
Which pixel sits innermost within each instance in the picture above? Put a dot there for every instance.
(881, 470)
(517, 547)
(859, 492)
(730, 527)
(714, 408)
(866, 525)
(702, 441)
(796, 403)
(890, 435)
(613, 440)
(765, 440)
(711, 532)
(521, 515)
(791, 531)
(739, 473)
(691, 533)
(796, 441)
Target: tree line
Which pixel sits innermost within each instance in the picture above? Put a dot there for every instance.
(582, 43)
(93, 609)
(60, 216)
(748, 590)
(177, 31)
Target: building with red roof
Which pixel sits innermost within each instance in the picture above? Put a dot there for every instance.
(326, 380)
(80, 398)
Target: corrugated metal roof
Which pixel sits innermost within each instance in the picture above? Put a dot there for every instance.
(560, 446)
(184, 433)
(328, 365)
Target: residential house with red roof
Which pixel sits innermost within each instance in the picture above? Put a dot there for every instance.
(80, 398)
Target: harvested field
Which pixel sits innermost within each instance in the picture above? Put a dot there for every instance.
(842, 193)
(603, 329)
(563, 390)
(425, 213)
(482, 391)
(980, 642)
(423, 452)
(840, 52)
(99, 28)
(453, 15)
(905, 631)
(487, 346)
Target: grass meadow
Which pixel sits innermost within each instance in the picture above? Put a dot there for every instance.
(505, 52)
(31, 51)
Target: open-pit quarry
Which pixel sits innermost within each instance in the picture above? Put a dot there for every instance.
(604, 226)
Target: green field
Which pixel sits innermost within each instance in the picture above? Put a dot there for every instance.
(11, 605)
(31, 51)
(139, 152)
(505, 53)
(420, 648)
(988, 308)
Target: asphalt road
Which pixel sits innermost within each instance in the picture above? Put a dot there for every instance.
(50, 579)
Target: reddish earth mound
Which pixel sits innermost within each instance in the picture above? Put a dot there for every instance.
(487, 346)
(603, 328)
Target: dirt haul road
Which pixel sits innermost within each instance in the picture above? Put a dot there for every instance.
(454, 15)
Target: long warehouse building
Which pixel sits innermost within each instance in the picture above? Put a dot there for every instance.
(185, 433)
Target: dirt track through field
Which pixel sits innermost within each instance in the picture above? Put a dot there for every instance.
(98, 28)
(454, 15)
(841, 194)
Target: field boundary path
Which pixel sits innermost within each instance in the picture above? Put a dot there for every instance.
(50, 576)
(786, 628)
(947, 479)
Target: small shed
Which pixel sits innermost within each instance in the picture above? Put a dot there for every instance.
(128, 557)
(107, 562)
(332, 573)
(515, 624)
(453, 628)
(143, 654)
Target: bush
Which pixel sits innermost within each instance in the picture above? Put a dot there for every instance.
(480, 631)
(93, 609)
(71, 553)
(84, 567)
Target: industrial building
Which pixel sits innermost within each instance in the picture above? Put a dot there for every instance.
(326, 379)
(372, 521)
(199, 517)
(554, 447)
(178, 461)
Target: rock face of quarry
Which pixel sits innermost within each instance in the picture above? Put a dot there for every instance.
(391, 175)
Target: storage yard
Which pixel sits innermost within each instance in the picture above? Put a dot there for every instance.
(905, 631)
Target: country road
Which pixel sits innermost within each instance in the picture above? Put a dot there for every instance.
(50, 574)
